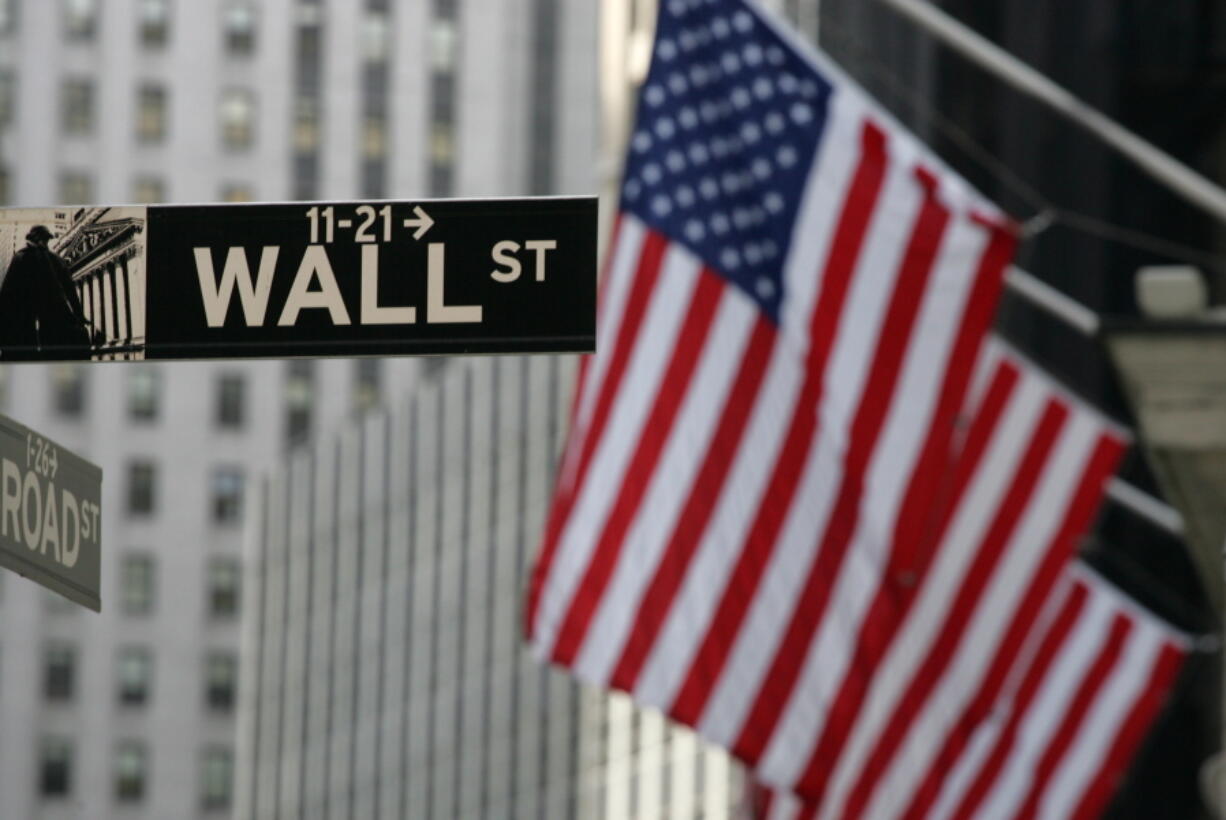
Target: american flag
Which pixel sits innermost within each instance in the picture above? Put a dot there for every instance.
(767, 516)
(1059, 734)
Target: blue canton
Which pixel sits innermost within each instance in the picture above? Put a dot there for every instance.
(728, 123)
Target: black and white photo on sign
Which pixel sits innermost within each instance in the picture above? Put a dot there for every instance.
(72, 283)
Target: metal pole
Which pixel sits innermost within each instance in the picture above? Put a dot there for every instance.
(1164, 168)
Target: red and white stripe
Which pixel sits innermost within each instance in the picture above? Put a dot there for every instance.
(732, 491)
(1057, 735)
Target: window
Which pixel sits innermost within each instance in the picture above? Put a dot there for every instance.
(148, 190)
(144, 389)
(443, 45)
(59, 672)
(238, 25)
(136, 584)
(131, 764)
(8, 91)
(8, 16)
(374, 137)
(150, 113)
(216, 776)
(68, 389)
(141, 491)
(368, 378)
(231, 400)
(223, 590)
(375, 36)
(80, 19)
(237, 118)
(236, 192)
(154, 22)
(227, 501)
(220, 681)
(306, 125)
(55, 774)
(135, 668)
(76, 188)
(299, 399)
(77, 106)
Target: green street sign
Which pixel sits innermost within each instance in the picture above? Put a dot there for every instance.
(50, 514)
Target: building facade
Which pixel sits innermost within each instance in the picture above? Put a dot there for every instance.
(132, 713)
(384, 668)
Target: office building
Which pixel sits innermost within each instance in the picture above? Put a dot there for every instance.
(132, 713)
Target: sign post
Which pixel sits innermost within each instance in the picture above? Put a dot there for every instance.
(50, 514)
(302, 279)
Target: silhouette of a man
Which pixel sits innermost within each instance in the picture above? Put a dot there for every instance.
(40, 314)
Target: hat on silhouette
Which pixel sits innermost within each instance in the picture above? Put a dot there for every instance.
(39, 232)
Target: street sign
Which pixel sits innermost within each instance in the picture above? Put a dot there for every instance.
(303, 279)
(50, 514)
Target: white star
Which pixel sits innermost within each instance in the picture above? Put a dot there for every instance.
(677, 8)
(730, 62)
(632, 189)
(677, 83)
(661, 205)
(788, 83)
(773, 202)
(752, 255)
(719, 223)
(750, 132)
(698, 75)
(719, 27)
(718, 147)
(654, 95)
(762, 88)
(775, 55)
(687, 40)
(765, 286)
(731, 183)
(687, 118)
(786, 156)
(740, 97)
(666, 49)
(708, 188)
(684, 196)
(698, 153)
(769, 249)
(730, 259)
(743, 22)
(741, 218)
(641, 141)
(775, 123)
(802, 113)
(761, 168)
(808, 89)
(694, 231)
(665, 128)
(652, 173)
(752, 54)
(709, 111)
(675, 161)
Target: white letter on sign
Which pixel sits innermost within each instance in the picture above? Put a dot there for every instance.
(372, 314)
(315, 265)
(10, 498)
(216, 295)
(540, 246)
(501, 256)
(436, 311)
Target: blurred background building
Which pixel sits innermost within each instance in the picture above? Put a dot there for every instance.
(132, 713)
(384, 668)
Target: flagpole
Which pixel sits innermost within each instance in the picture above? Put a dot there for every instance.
(1160, 165)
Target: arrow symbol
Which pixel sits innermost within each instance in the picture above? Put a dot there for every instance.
(422, 223)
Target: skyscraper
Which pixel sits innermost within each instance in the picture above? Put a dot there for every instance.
(132, 712)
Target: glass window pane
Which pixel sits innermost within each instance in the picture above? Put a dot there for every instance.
(231, 400)
(216, 778)
(220, 681)
(141, 490)
(135, 672)
(55, 771)
(148, 190)
(80, 18)
(154, 22)
(239, 23)
(130, 771)
(68, 389)
(223, 589)
(144, 388)
(151, 113)
(227, 502)
(77, 106)
(136, 584)
(237, 118)
(59, 671)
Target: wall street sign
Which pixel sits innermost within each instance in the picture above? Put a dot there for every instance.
(50, 514)
(302, 279)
